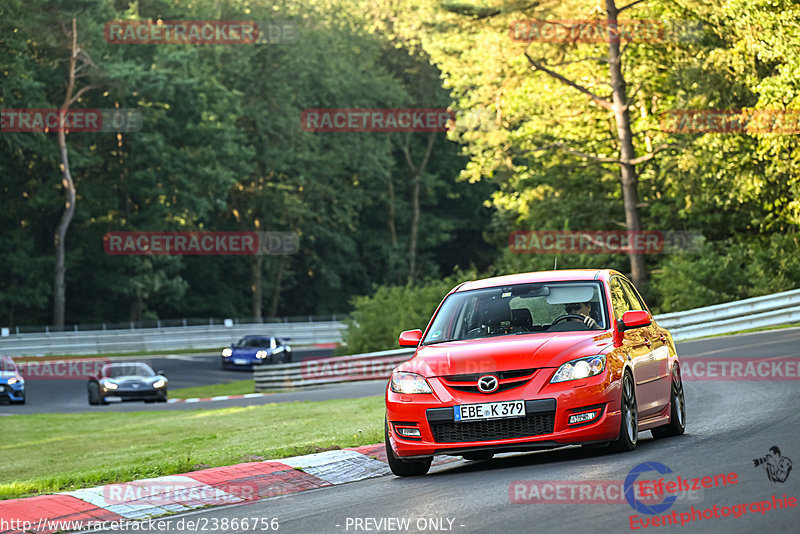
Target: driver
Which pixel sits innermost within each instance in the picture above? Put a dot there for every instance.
(583, 309)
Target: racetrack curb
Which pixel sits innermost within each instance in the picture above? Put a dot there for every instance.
(88, 506)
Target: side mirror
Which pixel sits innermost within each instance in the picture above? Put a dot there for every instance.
(161, 373)
(634, 319)
(410, 338)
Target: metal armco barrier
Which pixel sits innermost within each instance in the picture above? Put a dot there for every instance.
(368, 366)
(164, 339)
(769, 310)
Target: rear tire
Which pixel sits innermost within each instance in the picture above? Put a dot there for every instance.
(629, 420)
(404, 468)
(677, 411)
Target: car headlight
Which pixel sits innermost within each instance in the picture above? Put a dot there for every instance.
(227, 353)
(107, 384)
(261, 354)
(12, 381)
(409, 383)
(580, 368)
(160, 383)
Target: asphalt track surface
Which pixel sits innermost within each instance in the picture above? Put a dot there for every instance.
(70, 396)
(728, 425)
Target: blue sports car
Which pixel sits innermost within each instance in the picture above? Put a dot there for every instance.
(12, 385)
(252, 350)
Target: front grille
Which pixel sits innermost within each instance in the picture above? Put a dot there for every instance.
(469, 383)
(502, 387)
(532, 425)
(502, 375)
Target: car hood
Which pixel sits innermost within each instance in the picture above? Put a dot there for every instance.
(5, 375)
(132, 379)
(505, 353)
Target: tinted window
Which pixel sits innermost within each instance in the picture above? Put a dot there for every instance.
(515, 309)
(633, 299)
(116, 370)
(618, 298)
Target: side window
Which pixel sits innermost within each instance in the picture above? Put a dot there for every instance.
(634, 300)
(618, 298)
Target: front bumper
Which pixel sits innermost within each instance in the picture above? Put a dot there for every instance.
(12, 393)
(546, 424)
(134, 395)
(240, 363)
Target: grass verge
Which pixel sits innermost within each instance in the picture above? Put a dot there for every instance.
(44, 453)
(237, 387)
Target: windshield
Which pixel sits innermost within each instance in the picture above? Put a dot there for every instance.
(519, 309)
(7, 365)
(253, 342)
(116, 370)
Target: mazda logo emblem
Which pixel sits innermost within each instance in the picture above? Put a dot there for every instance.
(488, 384)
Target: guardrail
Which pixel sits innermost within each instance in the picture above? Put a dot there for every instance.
(164, 339)
(769, 310)
(368, 366)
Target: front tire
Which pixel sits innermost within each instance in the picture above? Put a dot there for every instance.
(404, 468)
(677, 412)
(94, 396)
(629, 420)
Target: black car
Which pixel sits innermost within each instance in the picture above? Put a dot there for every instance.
(127, 381)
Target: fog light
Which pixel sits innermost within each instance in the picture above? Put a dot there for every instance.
(409, 432)
(582, 417)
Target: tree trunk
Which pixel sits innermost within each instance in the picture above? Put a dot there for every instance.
(412, 238)
(276, 293)
(390, 215)
(628, 177)
(258, 293)
(59, 283)
(415, 210)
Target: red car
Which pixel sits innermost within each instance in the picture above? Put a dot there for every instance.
(533, 361)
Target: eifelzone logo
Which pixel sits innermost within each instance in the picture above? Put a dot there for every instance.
(778, 467)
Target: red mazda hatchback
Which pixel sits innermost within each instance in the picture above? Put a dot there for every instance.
(533, 361)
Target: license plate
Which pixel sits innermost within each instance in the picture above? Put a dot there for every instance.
(489, 410)
(238, 361)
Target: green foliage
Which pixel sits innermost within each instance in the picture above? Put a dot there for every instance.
(724, 272)
(378, 319)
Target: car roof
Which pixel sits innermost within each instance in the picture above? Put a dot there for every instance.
(566, 275)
